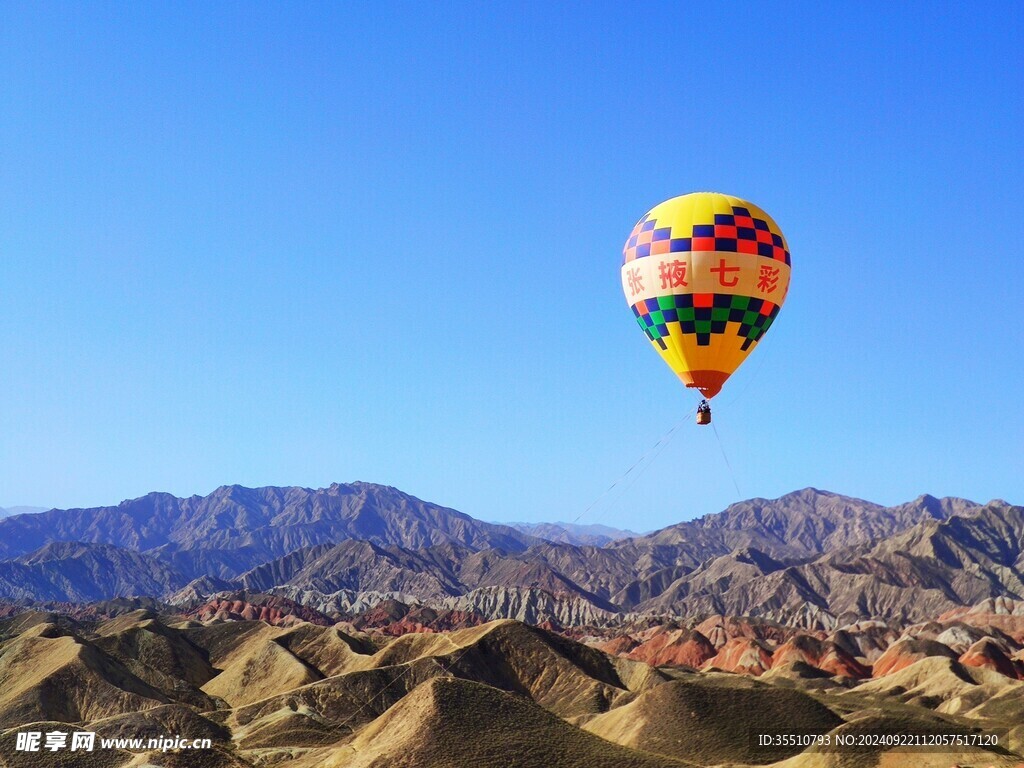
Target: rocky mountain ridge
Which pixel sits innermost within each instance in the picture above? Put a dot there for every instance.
(810, 558)
(234, 528)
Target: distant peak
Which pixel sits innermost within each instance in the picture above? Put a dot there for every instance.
(805, 493)
(150, 495)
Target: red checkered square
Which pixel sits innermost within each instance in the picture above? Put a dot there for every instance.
(703, 299)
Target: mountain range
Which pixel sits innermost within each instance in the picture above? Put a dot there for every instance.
(593, 534)
(810, 558)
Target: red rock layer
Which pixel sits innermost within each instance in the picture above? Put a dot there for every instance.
(825, 655)
(907, 651)
(987, 654)
(684, 647)
(278, 612)
(742, 655)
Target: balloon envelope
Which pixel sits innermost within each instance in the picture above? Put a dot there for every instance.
(705, 275)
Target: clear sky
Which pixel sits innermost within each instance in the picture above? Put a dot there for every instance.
(284, 244)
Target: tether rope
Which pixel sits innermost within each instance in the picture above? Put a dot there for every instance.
(721, 447)
(663, 441)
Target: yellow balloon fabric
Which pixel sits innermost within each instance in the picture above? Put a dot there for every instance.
(705, 275)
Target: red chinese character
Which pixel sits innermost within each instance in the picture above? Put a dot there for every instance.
(721, 269)
(768, 279)
(635, 280)
(673, 274)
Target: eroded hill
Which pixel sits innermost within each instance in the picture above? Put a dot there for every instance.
(499, 694)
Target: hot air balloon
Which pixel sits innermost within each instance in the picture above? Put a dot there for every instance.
(705, 275)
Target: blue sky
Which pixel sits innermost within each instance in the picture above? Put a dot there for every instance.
(283, 245)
